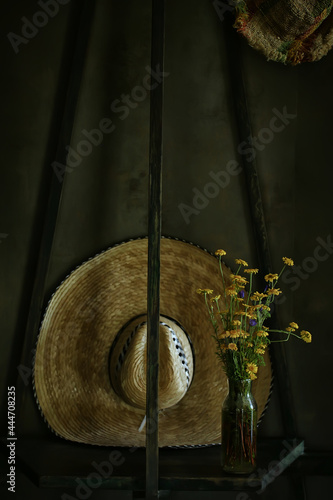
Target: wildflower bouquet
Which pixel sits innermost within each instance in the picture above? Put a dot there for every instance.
(239, 331)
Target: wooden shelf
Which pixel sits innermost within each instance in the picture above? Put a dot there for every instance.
(60, 464)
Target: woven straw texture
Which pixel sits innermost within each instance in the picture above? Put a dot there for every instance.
(291, 32)
(71, 369)
(128, 363)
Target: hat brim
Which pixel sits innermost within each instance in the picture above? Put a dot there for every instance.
(71, 371)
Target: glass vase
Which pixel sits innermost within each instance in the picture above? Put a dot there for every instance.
(239, 428)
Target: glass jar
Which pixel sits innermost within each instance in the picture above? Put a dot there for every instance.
(239, 428)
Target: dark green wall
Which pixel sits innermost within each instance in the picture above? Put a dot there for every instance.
(105, 196)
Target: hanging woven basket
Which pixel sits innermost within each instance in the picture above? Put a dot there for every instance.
(290, 32)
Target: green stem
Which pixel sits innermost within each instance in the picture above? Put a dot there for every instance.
(210, 313)
(287, 333)
(250, 291)
(280, 274)
(221, 270)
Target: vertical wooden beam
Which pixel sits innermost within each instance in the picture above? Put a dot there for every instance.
(154, 239)
(277, 350)
(78, 40)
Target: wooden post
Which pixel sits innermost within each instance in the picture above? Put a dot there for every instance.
(154, 239)
(77, 41)
(277, 350)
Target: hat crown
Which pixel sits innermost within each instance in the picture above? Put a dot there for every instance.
(128, 363)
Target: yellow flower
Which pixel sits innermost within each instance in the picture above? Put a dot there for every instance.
(252, 368)
(259, 351)
(294, 325)
(256, 296)
(244, 334)
(241, 262)
(217, 297)
(203, 291)
(290, 329)
(232, 346)
(222, 335)
(274, 291)
(252, 376)
(220, 252)
(236, 322)
(287, 261)
(239, 279)
(266, 308)
(251, 271)
(231, 290)
(234, 334)
(249, 344)
(262, 333)
(271, 277)
(306, 336)
(243, 313)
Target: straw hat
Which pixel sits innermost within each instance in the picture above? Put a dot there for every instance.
(90, 361)
(287, 31)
